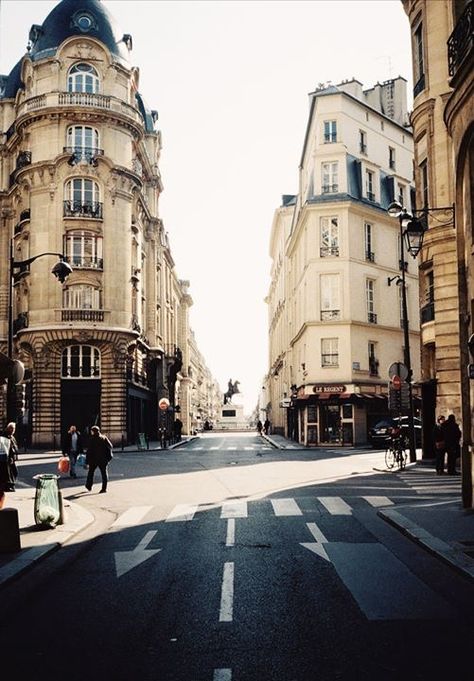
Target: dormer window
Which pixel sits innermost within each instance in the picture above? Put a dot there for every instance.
(83, 78)
(84, 21)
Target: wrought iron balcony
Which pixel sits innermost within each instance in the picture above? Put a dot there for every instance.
(369, 256)
(326, 251)
(85, 263)
(23, 159)
(372, 318)
(21, 322)
(330, 315)
(363, 148)
(460, 42)
(330, 188)
(83, 209)
(373, 366)
(21, 272)
(420, 85)
(88, 154)
(82, 315)
(371, 196)
(24, 218)
(427, 313)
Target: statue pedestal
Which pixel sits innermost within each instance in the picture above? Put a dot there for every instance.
(232, 417)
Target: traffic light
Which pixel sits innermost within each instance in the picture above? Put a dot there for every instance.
(20, 399)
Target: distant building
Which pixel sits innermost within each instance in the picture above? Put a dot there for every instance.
(334, 320)
(443, 126)
(79, 175)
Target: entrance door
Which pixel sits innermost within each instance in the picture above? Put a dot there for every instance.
(80, 405)
(330, 427)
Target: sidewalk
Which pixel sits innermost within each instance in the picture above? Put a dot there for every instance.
(443, 528)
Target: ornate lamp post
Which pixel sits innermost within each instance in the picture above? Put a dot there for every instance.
(61, 270)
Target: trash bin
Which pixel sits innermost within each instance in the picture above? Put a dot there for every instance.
(48, 501)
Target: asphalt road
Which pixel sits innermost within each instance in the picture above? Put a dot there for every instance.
(228, 560)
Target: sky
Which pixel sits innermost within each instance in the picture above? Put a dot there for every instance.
(230, 81)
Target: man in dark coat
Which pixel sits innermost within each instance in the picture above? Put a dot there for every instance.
(440, 445)
(99, 454)
(452, 438)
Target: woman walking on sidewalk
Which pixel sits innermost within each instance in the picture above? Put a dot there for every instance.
(440, 445)
(452, 438)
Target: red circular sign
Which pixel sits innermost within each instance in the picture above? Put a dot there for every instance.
(397, 382)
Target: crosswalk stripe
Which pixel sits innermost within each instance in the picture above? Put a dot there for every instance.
(336, 505)
(378, 501)
(132, 516)
(182, 512)
(234, 509)
(214, 448)
(285, 507)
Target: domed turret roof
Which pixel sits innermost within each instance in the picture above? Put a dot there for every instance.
(68, 18)
(77, 17)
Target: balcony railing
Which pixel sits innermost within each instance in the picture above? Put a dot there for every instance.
(82, 315)
(371, 317)
(427, 313)
(25, 216)
(371, 196)
(326, 251)
(329, 315)
(369, 256)
(21, 272)
(373, 366)
(420, 86)
(86, 263)
(21, 322)
(87, 154)
(330, 188)
(83, 209)
(460, 42)
(83, 99)
(363, 148)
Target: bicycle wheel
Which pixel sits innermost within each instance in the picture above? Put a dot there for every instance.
(389, 458)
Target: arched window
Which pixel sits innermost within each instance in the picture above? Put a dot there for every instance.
(83, 249)
(83, 78)
(81, 199)
(83, 142)
(80, 361)
(81, 297)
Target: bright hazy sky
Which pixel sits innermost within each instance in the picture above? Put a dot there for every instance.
(230, 81)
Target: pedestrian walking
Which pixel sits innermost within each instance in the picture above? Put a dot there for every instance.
(439, 444)
(259, 426)
(452, 438)
(72, 447)
(8, 457)
(177, 429)
(266, 427)
(99, 455)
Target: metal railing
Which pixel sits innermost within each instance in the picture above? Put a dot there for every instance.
(83, 153)
(83, 209)
(371, 317)
(86, 263)
(326, 251)
(369, 256)
(420, 86)
(461, 40)
(427, 313)
(330, 188)
(82, 315)
(329, 315)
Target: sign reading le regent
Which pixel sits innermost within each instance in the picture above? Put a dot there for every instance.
(329, 388)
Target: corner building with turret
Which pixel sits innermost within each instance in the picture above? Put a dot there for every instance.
(79, 176)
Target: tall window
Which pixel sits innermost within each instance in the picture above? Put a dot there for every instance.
(363, 141)
(391, 158)
(329, 176)
(82, 198)
(369, 242)
(330, 297)
(373, 361)
(83, 78)
(424, 183)
(418, 59)
(370, 300)
(329, 242)
(81, 297)
(369, 185)
(80, 361)
(330, 131)
(401, 195)
(329, 352)
(83, 141)
(83, 249)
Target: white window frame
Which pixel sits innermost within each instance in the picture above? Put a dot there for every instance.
(329, 236)
(369, 241)
(370, 184)
(330, 132)
(68, 358)
(363, 142)
(78, 253)
(330, 177)
(82, 139)
(83, 77)
(81, 297)
(329, 352)
(391, 158)
(330, 295)
(370, 300)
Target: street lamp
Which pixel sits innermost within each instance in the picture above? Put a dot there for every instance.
(412, 229)
(61, 271)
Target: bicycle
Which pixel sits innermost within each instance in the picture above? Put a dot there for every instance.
(395, 454)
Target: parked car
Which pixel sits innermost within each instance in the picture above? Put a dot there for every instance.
(380, 433)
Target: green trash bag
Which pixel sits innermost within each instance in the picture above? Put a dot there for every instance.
(48, 502)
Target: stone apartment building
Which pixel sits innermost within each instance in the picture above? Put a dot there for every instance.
(443, 127)
(335, 310)
(79, 176)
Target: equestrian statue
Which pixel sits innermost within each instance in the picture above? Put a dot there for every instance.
(232, 389)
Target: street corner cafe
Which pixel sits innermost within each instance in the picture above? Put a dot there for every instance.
(334, 414)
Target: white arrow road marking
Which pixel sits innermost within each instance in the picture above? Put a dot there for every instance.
(227, 594)
(316, 547)
(127, 560)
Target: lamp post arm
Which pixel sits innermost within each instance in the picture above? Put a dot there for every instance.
(28, 261)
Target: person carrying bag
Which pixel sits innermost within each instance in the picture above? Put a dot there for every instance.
(99, 455)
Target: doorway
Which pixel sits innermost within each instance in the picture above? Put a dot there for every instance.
(80, 405)
(330, 424)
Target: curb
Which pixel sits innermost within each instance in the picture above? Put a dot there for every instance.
(62, 533)
(448, 553)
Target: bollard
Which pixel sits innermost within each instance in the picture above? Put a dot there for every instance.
(9, 531)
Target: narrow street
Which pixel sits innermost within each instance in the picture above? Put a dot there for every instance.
(227, 559)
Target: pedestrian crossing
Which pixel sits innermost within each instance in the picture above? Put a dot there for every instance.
(231, 448)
